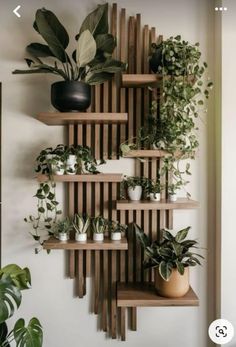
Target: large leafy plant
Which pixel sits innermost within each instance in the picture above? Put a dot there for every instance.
(13, 280)
(171, 252)
(91, 61)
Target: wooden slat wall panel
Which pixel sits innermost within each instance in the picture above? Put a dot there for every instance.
(71, 205)
(123, 57)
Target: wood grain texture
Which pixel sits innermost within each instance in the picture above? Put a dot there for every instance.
(96, 281)
(83, 178)
(107, 244)
(105, 117)
(143, 80)
(180, 204)
(135, 295)
(71, 204)
(114, 92)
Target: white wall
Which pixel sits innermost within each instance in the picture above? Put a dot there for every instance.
(228, 277)
(51, 297)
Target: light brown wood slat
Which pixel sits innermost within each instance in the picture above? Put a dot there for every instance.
(122, 253)
(133, 318)
(83, 178)
(107, 244)
(105, 292)
(80, 275)
(114, 83)
(97, 126)
(146, 218)
(144, 294)
(123, 323)
(123, 57)
(146, 48)
(87, 118)
(139, 51)
(105, 126)
(96, 281)
(113, 294)
(105, 263)
(154, 230)
(163, 196)
(71, 207)
(169, 213)
(138, 257)
(131, 67)
(163, 205)
(88, 202)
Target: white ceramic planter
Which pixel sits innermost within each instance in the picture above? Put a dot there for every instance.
(70, 165)
(155, 196)
(63, 236)
(173, 197)
(56, 170)
(115, 236)
(98, 237)
(80, 237)
(135, 193)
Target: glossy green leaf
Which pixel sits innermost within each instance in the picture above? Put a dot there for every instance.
(182, 234)
(20, 277)
(96, 22)
(165, 270)
(86, 49)
(39, 50)
(10, 298)
(28, 336)
(106, 43)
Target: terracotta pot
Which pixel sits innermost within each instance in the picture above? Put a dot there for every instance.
(176, 287)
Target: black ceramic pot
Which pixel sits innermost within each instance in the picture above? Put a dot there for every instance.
(156, 60)
(71, 96)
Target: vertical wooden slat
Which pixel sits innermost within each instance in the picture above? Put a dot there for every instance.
(71, 208)
(131, 50)
(113, 85)
(123, 323)
(146, 92)
(113, 294)
(123, 58)
(80, 274)
(105, 126)
(139, 50)
(105, 263)
(97, 126)
(96, 281)
(146, 218)
(122, 253)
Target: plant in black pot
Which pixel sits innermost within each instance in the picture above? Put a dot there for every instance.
(91, 63)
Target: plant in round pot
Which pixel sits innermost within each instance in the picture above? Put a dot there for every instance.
(81, 225)
(62, 229)
(172, 190)
(51, 161)
(134, 186)
(91, 63)
(13, 280)
(171, 258)
(153, 188)
(99, 227)
(116, 229)
(85, 160)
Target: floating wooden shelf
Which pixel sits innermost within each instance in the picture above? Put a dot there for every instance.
(180, 204)
(140, 294)
(145, 80)
(150, 153)
(90, 245)
(63, 118)
(83, 178)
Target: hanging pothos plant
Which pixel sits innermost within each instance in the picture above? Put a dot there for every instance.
(171, 126)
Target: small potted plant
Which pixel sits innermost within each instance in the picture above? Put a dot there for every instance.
(134, 187)
(81, 225)
(116, 229)
(153, 189)
(172, 190)
(71, 161)
(62, 229)
(90, 63)
(51, 161)
(171, 258)
(99, 226)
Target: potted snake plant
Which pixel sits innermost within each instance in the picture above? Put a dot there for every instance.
(81, 225)
(171, 259)
(99, 227)
(91, 62)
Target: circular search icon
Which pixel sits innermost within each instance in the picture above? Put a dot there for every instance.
(221, 331)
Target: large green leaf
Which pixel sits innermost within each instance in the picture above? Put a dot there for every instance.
(142, 237)
(96, 22)
(28, 336)
(3, 335)
(86, 49)
(180, 267)
(53, 33)
(182, 234)
(42, 68)
(10, 298)
(39, 50)
(167, 235)
(110, 66)
(98, 78)
(165, 270)
(106, 43)
(20, 277)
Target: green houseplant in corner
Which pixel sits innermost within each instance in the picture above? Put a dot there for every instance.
(91, 62)
(13, 280)
(171, 258)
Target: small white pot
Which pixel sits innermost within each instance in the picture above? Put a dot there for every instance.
(115, 236)
(155, 196)
(57, 171)
(80, 237)
(135, 194)
(71, 160)
(70, 170)
(50, 156)
(98, 237)
(63, 236)
(173, 197)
